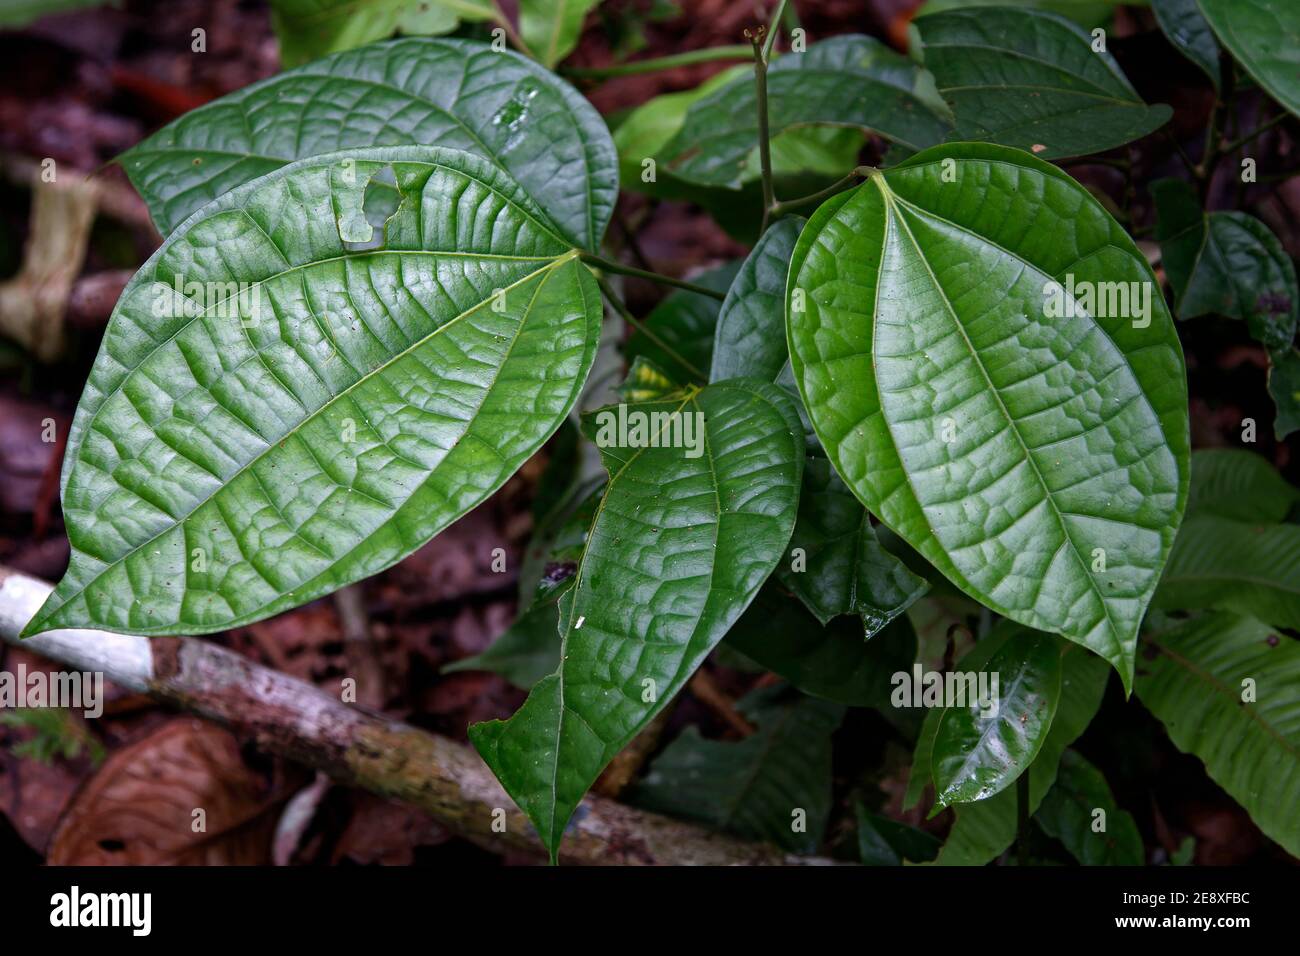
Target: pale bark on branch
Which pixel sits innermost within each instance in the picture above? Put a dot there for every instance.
(359, 748)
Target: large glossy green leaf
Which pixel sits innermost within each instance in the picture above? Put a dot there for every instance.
(551, 27)
(831, 661)
(774, 785)
(308, 29)
(1227, 263)
(981, 831)
(1239, 485)
(1181, 21)
(980, 750)
(431, 92)
(678, 549)
(1225, 689)
(275, 413)
(750, 335)
(844, 81)
(1016, 451)
(1030, 79)
(1069, 812)
(1233, 566)
(1264, 36)
(836, 564)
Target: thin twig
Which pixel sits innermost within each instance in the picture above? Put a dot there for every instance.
(690, 58)
(608, 265)
(621, 308)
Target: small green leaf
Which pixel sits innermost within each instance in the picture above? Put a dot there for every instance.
(275, 413)
(682, 328)
(308, 29)
(551, 27)
(426, 92)
(750, 338)
(1232, 566)
(886, 842)
(1225, 689)
(1240, 485)
(1069, 813)
(774, 785)
(980, 750)
(1264, 36)
(1032, 450)
(835, 564)
(1227, 263)
(1031, 79)
(680, 545)
(844, 81)
(1181, 21)
(832, 662)
(526, 651)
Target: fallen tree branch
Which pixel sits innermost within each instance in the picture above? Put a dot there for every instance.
(296, 720)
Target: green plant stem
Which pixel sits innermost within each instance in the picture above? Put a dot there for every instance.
(773, 28)
(607, 265)
(783, 206)
(708, 55)
(1022, 818)
(764, 138)
(1260, 130)
(621, 308)
(511, 33)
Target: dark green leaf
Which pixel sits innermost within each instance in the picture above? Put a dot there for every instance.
(1182, 23)
(1225, 689)
(1040, 462)
(1264, 36)
(1240, 485)
(980, 749)
(308, 29)
(679, 547)
(526, 652)
(238, 453)
(835, 564)
(1227, 263)
(1284, 389)
(750, 338)
(886, 842)
(1069, 813)
(774, 785)
(420, 91)
(832, 662)
(1031, 79)
(844, 81)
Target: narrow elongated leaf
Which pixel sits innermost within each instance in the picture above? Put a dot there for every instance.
(1030, 79)
(836, 564)
(844, 81)
(1069, 812)
(1264, 36)
(1240, 485)
(308, 29)
(431, 92)
(832, 662)
(755, 787)
(679, 547)
(886, 842)
(1225, 689)
(275, 413)
(1018, 441)
(983, 830)
(551, 27)
(1233, 566)
(1227, 263)
(980, 749)
(750, 337)
(1181, 21)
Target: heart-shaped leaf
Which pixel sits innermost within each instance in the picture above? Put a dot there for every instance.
(1225, 689)
(429, 92)
(275, 413)
(700, 504)
(844, 81)
(1264, 36)
(307, 29)
(989, 364)
(980, 748)
(756, 787)
(1226, 263)
(1031, 79)
(1182, 23)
